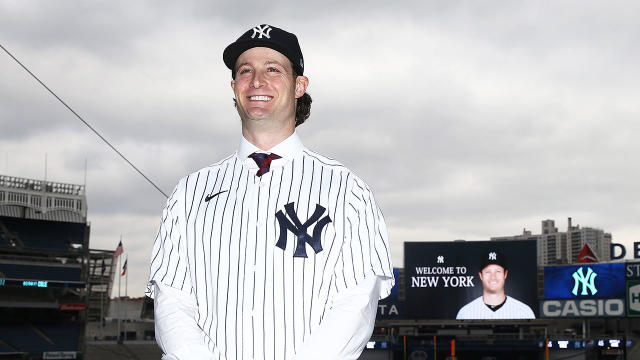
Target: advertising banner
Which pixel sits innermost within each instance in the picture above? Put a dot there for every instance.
(586, 281)
(633, 297)
(570, 308)
(633, 270)
(443, 280)
(585, 290)
(59, 355)
(73, 307)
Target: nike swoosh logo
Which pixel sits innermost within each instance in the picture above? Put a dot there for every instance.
(209, 197)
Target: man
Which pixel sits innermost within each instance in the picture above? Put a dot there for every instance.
(494, 303)
(275, 252)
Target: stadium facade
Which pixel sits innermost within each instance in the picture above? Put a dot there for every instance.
(51, 282)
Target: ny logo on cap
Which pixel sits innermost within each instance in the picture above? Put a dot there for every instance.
(262, 30)
(492, 256)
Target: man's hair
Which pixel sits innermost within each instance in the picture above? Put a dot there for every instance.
(303, 103)
(303, 108)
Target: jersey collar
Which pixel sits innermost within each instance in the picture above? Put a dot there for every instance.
(288, 149)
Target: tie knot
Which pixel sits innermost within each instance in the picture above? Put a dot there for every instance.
(263, 161)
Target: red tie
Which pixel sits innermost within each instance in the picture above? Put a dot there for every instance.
(263, 161)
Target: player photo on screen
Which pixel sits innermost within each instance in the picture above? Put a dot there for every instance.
(494, 302)
(472, 280)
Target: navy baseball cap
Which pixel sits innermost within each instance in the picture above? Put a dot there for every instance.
(268, 36)
(493, 257)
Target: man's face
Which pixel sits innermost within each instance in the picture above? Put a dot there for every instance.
(264, 86)
(493, 278)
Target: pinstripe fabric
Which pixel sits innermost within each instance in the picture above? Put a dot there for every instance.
(255, 300)
(511, 309)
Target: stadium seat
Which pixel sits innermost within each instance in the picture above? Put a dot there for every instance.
(40, 234)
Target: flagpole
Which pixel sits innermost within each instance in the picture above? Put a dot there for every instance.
(126, 282)
(101, 299)
(119, 298)
(118, 320)
(126, 276)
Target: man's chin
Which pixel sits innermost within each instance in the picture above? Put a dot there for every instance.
(494, 291)
(254, 116)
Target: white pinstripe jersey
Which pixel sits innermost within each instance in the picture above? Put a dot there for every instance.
(512, 309)
(256, 300)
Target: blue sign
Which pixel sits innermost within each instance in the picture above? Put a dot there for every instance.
(34, 283)
(391, 307)
(586, 281)
(394, 290)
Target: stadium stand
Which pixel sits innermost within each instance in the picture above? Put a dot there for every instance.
(23, 337)
(65, 337)
(44, 258)
(41, 235)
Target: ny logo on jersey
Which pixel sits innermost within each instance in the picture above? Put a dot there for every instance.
(440, 259)
(300, 230)
(587, 282)
(492, 256)
(261, 30)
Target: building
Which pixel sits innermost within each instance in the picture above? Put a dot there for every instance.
(44, 250)
(51, 283)
(42, 200)
(557, 247)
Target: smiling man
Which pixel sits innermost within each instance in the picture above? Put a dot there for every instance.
(274, 252)
(494, 302)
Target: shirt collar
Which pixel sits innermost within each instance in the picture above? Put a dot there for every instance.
(288, 149)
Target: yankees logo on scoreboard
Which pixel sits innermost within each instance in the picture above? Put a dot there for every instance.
(587, 282)
(299, 229)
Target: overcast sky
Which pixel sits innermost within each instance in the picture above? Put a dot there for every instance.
(468, 119)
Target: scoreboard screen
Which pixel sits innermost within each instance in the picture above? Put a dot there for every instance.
(442, 278)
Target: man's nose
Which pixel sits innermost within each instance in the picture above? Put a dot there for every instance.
(257, 81)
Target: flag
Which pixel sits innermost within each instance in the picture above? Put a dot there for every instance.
(119, 250)
(124, 268)
(103, 268)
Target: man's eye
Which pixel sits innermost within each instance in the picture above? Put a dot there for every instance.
(244, 71)
(272, 69)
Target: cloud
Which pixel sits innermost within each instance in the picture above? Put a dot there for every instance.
(467, 120)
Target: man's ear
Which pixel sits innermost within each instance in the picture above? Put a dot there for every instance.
(233, 85)
(301, 85)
